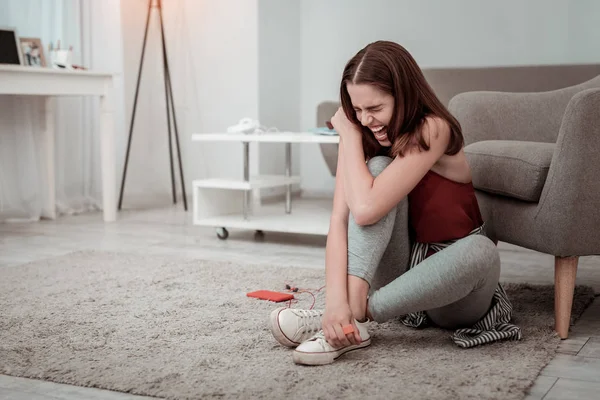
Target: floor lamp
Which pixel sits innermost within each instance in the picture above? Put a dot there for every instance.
(170, 108)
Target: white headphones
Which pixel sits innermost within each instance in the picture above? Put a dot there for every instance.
(249, 125)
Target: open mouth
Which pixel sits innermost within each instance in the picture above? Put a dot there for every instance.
(380, 133)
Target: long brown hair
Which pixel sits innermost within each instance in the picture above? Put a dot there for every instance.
(390, 67)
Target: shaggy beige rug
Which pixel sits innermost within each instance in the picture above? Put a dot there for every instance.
(185, 329)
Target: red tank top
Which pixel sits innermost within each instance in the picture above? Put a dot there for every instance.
(441, 209)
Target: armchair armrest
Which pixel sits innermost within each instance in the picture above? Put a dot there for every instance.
(534, 117)
(569, 207)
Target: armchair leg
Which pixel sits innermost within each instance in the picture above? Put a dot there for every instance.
(565, 270)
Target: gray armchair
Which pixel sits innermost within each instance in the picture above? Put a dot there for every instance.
(535, 159)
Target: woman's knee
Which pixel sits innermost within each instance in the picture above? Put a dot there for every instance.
(377, 164)
(479, 266)
(480, 252)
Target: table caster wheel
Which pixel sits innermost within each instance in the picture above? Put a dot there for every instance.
(222, 233)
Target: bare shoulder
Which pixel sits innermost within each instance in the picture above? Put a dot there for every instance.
(436, 129)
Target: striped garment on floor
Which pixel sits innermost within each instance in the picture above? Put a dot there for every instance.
(495, 325)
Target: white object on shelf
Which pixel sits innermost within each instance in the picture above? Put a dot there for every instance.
(224, 203)
(245, 125)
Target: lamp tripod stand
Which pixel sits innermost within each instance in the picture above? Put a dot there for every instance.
(170, 106)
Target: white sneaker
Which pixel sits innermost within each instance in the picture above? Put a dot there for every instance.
(293, 326)
(317, 351)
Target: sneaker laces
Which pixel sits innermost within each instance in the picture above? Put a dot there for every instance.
(309, 320)
(319, 338)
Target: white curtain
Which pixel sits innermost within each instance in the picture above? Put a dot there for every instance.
(93, 29)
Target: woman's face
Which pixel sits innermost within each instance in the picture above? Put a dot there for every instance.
(374, 109)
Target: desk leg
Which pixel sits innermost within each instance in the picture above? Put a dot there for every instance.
(108, 159)
(288, 173)
(246, 205)
(49, 202)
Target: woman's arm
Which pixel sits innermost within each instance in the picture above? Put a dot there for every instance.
(336, 249)
(369, 199)
(337, 309)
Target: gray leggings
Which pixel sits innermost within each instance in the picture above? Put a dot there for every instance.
(454, 286)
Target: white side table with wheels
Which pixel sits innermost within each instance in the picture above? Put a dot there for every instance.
(226, 203)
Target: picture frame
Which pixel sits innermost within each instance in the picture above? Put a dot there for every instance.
(10, 49)
(32, 52)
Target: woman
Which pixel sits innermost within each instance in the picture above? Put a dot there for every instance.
(406, 235)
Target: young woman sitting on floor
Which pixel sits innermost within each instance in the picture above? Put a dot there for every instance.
(406, 237)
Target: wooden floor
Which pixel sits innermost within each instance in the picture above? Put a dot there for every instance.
(573, 374)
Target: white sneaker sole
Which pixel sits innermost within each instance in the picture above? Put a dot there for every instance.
(325, 358)
(276, 329)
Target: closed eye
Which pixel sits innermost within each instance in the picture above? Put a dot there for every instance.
(372, 109)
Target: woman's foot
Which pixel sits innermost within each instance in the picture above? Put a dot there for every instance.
(317, 351)
(290, 327)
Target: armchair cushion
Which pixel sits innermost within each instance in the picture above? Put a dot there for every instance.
(510, 168)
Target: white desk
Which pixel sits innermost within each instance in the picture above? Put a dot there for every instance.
(225, 203)
(48, 82)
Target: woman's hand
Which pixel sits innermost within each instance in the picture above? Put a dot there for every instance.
(334, 319)
(343, 126)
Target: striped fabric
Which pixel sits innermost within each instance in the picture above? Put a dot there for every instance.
(495, 325)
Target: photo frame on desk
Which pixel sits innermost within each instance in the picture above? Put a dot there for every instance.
(10, 50)
(32, 52)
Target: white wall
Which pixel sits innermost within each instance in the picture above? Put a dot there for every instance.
(279, 80)
(220, 54)
(274, 61)
(102, 50)
(458, 33)
(583, 31)
(213, 55)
